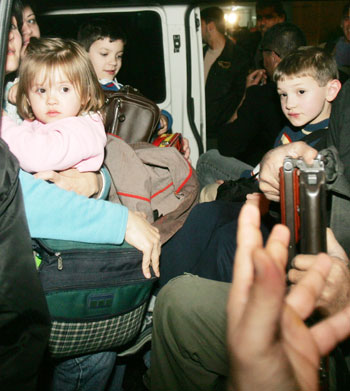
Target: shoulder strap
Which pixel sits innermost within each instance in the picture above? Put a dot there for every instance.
(318, 137)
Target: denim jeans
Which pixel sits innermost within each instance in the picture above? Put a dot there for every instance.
(88, 373)
(212, 166)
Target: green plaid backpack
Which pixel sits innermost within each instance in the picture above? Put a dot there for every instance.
(96, 294)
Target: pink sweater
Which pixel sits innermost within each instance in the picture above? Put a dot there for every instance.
(74, 142)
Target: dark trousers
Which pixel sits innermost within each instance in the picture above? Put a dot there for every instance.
(205, 245)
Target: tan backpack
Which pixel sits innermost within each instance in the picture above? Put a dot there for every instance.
(157, 181)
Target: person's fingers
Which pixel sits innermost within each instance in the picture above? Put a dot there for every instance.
(294, 276)
(277, 245)
(273, 160)
(263, 306)
(155, 259)
(163, 123)
(47, 175)
(146, 261)
(303, 262)
(255, 77)
(270, 188)
(249, 238)
(303, 296)
(260, 200)
(334, 249)
(328, 333)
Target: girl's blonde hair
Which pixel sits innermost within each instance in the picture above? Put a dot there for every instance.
(71, 58)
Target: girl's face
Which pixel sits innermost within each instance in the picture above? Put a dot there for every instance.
(13, 48)
(53, 97)
(30, 26)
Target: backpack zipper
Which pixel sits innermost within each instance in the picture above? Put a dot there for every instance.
(59, 261)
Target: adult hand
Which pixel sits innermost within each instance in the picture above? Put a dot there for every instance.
(269, 182)
(83, 183)
(163, 122)
(12, 96)
(254, 78)
(142, 235)
(270, 347)
(336, 293)
(257, 77)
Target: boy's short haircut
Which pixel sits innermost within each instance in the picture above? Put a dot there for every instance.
(99, 28)
(216, 15)
(312, 61)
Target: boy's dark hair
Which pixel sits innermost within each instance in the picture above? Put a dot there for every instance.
(216, 15)
(312, 61)
(282, 38)
(99, 28)
(276, 5)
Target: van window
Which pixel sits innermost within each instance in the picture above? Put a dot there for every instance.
(143, 61)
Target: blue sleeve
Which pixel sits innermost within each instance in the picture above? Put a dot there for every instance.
(170, 119)
(58, 214)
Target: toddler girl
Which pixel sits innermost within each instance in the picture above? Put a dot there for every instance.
(59, 98)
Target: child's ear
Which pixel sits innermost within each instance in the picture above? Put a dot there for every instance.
(334, 87)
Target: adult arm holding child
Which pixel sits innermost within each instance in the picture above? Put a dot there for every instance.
(57, 214)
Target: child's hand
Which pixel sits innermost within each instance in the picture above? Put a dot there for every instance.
(163, 122)
(13, 94)
(186, 149)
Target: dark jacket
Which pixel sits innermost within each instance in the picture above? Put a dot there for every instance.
(259, 121)
(225, 85)
(24, 318)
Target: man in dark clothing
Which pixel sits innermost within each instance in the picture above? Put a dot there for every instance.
(225, 70)
(259, 121)
(268, 13)
(243, 142)
(24, 317)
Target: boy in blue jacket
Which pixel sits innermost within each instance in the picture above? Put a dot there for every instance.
(307, 83)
